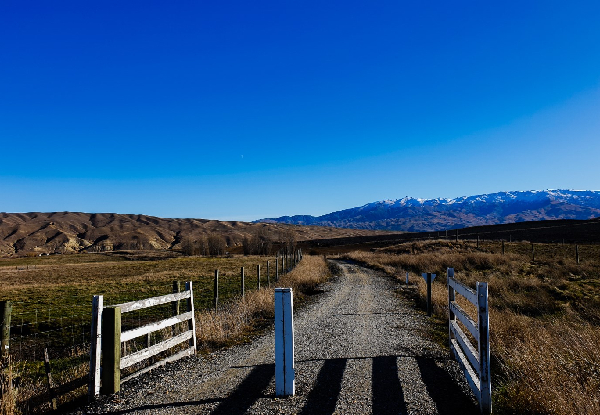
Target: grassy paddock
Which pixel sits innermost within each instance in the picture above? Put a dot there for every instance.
(544, 315)
(52, 304)
(237, 321)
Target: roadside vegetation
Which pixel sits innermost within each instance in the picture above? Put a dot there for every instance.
(52, 296)
(544, 315)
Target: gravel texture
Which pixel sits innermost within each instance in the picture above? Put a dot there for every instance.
(360, 349)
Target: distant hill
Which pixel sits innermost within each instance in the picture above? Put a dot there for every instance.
(427, 215)
(63, 232)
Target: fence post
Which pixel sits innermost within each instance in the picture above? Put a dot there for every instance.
(49, 379)
(451, 298)
(428, 277)
(502, 247)
(532, 252)
(96, 347)
(216, 289)
(457, 235)
(175, 304)
(5, 314)
(277, 268)
(268, 276)
(485, 387)
(285, 384)
(111, 350)
(477, 241)
(190, 308)
(577, 254)
(406, 277)
(258, 275)
(242, 276)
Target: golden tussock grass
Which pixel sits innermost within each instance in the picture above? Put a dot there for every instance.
(544, 316)
(235, 321)
(8, 396)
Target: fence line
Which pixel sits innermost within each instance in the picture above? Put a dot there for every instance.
(474, 363)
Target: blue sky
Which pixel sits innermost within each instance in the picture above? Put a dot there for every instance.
(243, 110)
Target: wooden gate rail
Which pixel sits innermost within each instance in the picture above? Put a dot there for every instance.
(474, 363)
(112, 338)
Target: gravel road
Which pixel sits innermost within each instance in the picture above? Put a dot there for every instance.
(360, 349)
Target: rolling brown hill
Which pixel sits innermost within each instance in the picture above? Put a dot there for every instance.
(68, 232)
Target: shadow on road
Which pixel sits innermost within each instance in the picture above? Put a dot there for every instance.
(388, 397)
(449, 398)
(248, 392)
(323, 396)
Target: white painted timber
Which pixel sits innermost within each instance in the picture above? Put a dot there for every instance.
(465, 344)
(190, 307)
(466, 292)
(285, 383)
(173, 358)
(485, 403)
(149, 328)
(470, 374)
(465, 319)
(95, 347)
(154, 350)
(151, 302)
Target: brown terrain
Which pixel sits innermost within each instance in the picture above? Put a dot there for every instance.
(69, 232)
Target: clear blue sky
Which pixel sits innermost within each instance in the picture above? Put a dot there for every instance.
(249, 109)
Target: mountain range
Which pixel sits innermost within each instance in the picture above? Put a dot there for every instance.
(37, 233)
(425, 215)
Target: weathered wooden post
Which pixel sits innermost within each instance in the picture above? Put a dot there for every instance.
(5, 315)
(111, 350)
(477, 241)
(451, 298)
(51, 386)
(406, 277)
(532, 252)
(577, 254)
(457, 235)
(216, 290)
(268, 275)
(242, 282)
(258, 276)
(277, 268)
(428, 277)
(284, 262)
(175, 304)
(502, 247)
(285, 383)
(485, 403)
(95, 347)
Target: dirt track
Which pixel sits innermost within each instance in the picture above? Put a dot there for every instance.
(360, 349)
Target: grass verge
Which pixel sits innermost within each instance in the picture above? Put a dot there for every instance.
(544, 316)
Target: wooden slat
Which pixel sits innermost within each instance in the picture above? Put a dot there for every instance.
(176, 356)
(149, 328)
(463, 290)
(470, 375)
(154, 350)
(465, 319)
(465, 344)
(151, 302)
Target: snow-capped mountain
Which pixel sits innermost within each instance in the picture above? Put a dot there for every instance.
(422, 215)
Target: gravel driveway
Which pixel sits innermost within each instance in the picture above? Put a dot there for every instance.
(360, 349)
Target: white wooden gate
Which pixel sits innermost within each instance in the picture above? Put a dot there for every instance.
(475, 363)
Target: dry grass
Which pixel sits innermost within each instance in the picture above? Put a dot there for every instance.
(544, 316)
(236, 321)
(8, 398)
